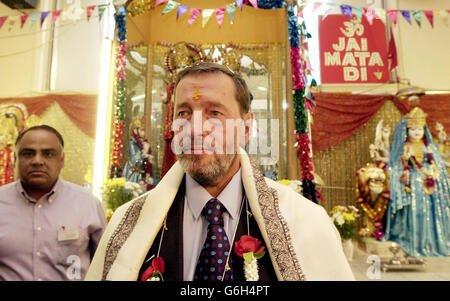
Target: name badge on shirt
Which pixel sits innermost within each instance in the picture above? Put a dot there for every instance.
(64, 234)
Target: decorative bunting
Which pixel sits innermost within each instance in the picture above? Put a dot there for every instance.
(159, 2)
(89, 11)
(429, 15)
(206, 14)
(406, 15)
(170, 6)
(358, 12)
(181, 10)
(239, 3)
(316, 5)
(23, 19)
(392, 13)
(368, 12)
(195, 12)
(43, 16)
(2, 21)
(254, 3)
(101, 10)
(33, 18)
(346, 10)
(55, 15)
(220, 13)
(417, 15)
(443, 15)
(231, 9)
(380, 13)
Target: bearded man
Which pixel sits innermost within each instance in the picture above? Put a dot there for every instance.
(213, 197)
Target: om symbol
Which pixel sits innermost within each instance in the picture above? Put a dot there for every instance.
(352, 27)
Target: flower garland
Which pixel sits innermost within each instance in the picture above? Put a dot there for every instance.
(250, 249)
(120, 93)
(377, 212)
(429, 175)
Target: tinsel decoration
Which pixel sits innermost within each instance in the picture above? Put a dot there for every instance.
(120, 94)
(301, 119)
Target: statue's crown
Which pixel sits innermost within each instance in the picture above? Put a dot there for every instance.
(416, 117)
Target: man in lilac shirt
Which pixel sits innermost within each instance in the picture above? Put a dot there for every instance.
(49, 228)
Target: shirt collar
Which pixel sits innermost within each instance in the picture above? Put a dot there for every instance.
(49, 196)
(230, 197)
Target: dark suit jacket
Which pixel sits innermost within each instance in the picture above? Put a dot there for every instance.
(172, 245)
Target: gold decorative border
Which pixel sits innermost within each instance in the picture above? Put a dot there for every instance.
(121, 233)
(277, 229)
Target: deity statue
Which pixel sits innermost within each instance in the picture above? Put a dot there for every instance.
(372, 195)
(8, 135)
(138, 168)
(418, 217)
(379, 151)
(443, 143)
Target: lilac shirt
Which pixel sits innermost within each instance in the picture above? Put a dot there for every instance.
(53, 238)
(195, 225)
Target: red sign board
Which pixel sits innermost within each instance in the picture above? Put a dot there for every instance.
(352, 51)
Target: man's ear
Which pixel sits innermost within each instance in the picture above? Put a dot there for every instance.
(248, 120)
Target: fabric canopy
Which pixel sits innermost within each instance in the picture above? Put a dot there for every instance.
(339, 115)
(80, 108)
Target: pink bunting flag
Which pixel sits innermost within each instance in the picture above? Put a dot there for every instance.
(159, 2)
(89, 11)
(316, 5)
(254, 3)
(55, 15)
(300, 13)
(2, 21)
(23, 19)
(220, 13)
(368, 12)
(429, 15)
(392, 13)
(195, 12)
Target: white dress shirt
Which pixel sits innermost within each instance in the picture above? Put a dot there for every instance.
(195, 225)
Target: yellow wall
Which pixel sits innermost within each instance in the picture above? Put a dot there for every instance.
(249, 25)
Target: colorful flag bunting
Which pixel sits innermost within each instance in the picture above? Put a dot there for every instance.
(443, 16)
(195, 12)
(159, 2)
(368, 12)
(23, 19)
(406, 15)
(316, 5)
(254, 3)
(220, 13)
(346, 10)
(43, 16)
(181, 10)
(170, 6)
(429, 15)
(2, 21)
(231, 9)
(89, 11)
(392, 13)
(358, 12)
(380, 13)
(206, 14)
(101, 10)
(239, 3)
(55, 15)
(33, 18)
(417, 15)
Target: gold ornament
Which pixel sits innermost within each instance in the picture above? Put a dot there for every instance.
(416, 117)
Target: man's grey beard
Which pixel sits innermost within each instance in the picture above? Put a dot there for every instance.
(211, 173)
